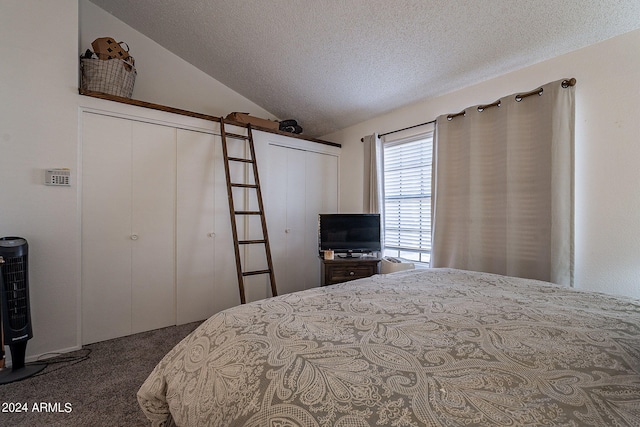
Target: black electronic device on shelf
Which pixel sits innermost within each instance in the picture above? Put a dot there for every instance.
(14, 307)
(349, 234)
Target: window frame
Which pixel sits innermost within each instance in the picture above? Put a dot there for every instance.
(421, 253)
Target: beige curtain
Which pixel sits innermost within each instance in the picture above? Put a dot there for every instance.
(503, 187)
(373, 199)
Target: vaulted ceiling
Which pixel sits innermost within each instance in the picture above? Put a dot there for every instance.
(333, 63)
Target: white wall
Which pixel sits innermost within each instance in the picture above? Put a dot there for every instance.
(39, 122)
(607, 180)
(39, 130)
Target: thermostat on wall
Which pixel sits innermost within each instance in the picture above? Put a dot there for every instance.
(58, 177)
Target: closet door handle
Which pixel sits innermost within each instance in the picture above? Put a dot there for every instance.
(211, 235)
(287, 230)
(134, 237)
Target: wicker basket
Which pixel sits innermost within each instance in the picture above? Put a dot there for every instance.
(112, 76)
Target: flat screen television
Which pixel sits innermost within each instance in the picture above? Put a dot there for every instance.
(349, 233)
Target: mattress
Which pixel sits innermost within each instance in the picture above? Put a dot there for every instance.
(437, 347)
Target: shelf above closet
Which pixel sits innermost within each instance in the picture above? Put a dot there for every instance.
(182, 112)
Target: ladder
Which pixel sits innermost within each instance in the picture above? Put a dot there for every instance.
(252, 189)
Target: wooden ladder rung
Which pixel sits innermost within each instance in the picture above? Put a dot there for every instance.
(248, 212)
(256, 272)
(244, 185)
(238, 159)
(251, 242)
(235, 136)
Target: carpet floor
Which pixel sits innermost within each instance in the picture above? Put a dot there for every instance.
(94, 386)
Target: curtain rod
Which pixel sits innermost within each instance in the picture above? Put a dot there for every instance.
(519, 97)
(565, 84)
(400, 130)
(409, 127)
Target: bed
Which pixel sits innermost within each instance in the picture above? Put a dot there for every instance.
(436, 347)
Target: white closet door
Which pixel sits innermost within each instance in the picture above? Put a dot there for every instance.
(285, 209)
(106, 228)
(273, 164)
(225, 276)
(299, 180)
(153, 229)
(295, 279)
(321, 197)
(205, 266)
(195, 227)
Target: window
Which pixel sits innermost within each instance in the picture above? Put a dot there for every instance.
(407, 197)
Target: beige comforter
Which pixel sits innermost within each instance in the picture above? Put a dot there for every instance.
(420, 348)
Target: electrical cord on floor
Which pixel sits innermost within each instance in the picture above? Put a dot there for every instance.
(59, 358)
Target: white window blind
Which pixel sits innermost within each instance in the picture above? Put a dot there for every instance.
(407, 201)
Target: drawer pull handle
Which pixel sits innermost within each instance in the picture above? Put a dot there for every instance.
(351, 273)
(134, 237)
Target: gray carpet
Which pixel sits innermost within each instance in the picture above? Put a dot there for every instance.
(95, 386)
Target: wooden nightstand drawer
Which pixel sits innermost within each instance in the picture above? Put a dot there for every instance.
(338, 271)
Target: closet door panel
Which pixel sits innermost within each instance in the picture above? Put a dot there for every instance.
(299, 180)
(225, 278)
(153, 229)
(296, 222)
(195, 238)
(322, 197)
(106, 228)
(205, 269)
(284, 199)
(272, 165)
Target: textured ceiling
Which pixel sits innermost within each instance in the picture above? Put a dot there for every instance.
(333, 63)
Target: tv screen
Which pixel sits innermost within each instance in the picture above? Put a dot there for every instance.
(347, 233)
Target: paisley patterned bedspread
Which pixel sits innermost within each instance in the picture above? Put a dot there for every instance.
(437, 347)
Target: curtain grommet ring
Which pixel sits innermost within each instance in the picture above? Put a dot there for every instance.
(481, 108)
(462, 113)
(524, 95)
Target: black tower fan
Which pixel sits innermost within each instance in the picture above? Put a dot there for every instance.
(14, 307)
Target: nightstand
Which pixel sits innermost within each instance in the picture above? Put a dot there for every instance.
(340, 270)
